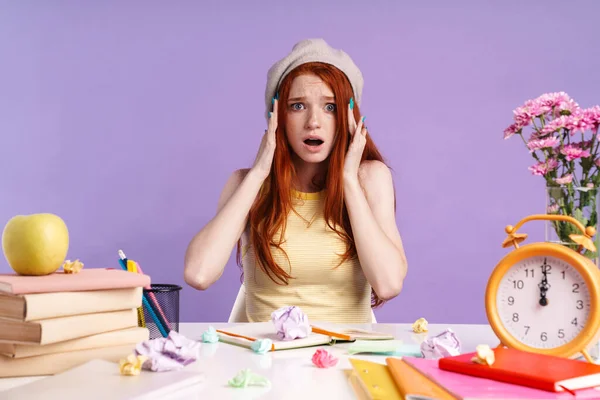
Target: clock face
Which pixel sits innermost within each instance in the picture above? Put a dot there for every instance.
(543, 302)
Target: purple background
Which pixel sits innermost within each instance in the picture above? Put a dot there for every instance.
(127, 119)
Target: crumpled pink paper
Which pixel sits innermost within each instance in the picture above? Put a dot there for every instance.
(166, 354)
(323, 359)
(291, 323)
(443, 345)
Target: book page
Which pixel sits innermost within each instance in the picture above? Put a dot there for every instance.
(354, 333)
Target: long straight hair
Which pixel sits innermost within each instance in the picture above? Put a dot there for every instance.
(274, 202)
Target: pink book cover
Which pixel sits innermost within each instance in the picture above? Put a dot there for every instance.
(86, 279)
(469, 387)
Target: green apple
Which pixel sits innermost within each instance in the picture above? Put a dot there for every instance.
(35, 244)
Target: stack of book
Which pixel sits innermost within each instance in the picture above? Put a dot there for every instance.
(515, 374)
(51, 323)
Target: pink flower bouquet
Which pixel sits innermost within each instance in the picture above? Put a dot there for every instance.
(564, 142)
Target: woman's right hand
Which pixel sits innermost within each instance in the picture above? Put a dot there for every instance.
(264, 158)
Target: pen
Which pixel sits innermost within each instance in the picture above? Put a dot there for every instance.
(159, 325)
(151, 298)
(123, 257)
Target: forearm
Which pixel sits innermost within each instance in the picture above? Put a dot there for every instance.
(210, 249)
(383, 263)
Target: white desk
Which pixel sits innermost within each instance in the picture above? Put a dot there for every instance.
(291, 372)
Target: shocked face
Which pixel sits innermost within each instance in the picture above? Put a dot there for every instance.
(311, 118)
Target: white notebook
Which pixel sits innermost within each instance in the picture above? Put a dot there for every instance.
(100, 379)
(244, 334)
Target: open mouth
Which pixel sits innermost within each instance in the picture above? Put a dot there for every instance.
(313, 142)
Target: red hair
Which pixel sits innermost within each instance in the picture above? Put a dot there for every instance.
(274, 201)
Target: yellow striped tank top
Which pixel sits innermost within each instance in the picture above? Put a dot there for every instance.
(322, 291)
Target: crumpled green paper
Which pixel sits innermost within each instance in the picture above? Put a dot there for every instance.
(246, 378)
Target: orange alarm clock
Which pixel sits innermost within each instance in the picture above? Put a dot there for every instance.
(545, 297)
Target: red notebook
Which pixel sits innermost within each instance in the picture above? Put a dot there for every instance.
(86, 279)
(472, 388)
(550, 373)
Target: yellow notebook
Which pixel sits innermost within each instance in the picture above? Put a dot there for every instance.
(395, 380)
(354, 380)
(375, 380)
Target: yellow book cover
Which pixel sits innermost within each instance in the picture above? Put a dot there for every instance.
(375, 380)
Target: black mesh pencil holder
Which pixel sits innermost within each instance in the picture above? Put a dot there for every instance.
(160, 309)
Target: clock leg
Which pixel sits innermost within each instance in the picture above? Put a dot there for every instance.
(587, 356)
(500, 345)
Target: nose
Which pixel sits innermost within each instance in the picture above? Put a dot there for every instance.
(313, 121)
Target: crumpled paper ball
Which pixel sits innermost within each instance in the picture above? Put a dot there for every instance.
(261, 346)
(246, 378)
(324, 359)
(210, 335)
(443, 345)
(166, 354)
(484, 355)
(420, 325)
(290, 323)
(72, 267)
(132, 365)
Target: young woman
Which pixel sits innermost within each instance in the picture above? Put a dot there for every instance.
(314, 217)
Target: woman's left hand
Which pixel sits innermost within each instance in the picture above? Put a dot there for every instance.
(358, 141)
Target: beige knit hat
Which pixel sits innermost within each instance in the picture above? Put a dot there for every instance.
(312, 50)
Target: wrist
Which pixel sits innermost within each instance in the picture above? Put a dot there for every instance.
(256, 176)
(350, 179)
(351, 183)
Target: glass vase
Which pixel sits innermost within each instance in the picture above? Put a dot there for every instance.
(580, 203)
